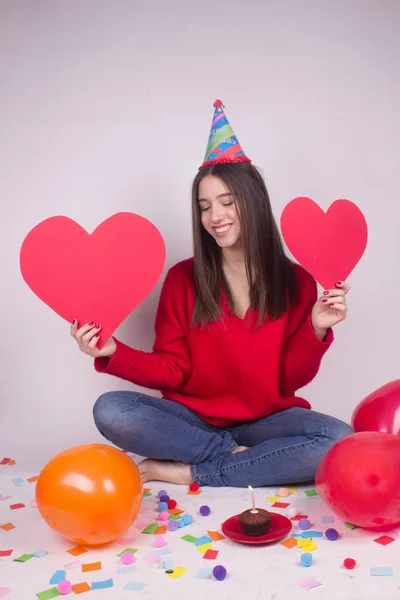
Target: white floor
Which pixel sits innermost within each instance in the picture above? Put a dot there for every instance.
(254, 572)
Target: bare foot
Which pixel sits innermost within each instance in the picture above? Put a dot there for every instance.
(239, 449)
(165, 470)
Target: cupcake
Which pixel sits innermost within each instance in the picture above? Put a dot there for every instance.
(255, 522)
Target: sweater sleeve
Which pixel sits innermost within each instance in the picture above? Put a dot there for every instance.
(168, 366)
(302, 351)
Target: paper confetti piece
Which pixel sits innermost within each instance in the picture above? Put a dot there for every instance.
(310, 547)
(273, 499)
(150, 528)
(125, 541)
(127, 569)
(327, 519)
(204, 539)
(161, 552)
(135, 586)
(18, 481)
(48, 594)
(211, 554)
(96, 566)
(77, 551)
(16, 506)
(145, 490)
(309, 583)
(298, 517)
(189, 538)
(175, 511)
(5, 498)
(33, 479)
(7, 526)
(167, 564)
(151, 559)
(133, 550)
(312, 534)
(351, 526)
(23, 558)
(290, 543)
(11, 463)
(39, 553)
(384, 540)
(139, 524)
(33, 503)
(146, 494)
(215, 536)
(5, 461)
(178, 571)
(301, 542)
(161, 530)
(203, 548)
(73, 565)
(102, 585)
(4, 591)
(280, 504)
(57, 577)
(382, 571)
(190, 493)
(204, 573)
(174, 517)
(292, 488)
(6, 552)
(79, 588)
(311, 493)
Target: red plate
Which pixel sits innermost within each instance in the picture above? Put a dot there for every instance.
(280, 527)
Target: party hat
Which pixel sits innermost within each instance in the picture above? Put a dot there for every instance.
(223, 146)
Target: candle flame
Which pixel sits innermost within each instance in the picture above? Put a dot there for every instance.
(250, 488)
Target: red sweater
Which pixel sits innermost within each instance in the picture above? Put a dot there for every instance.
(227, 373)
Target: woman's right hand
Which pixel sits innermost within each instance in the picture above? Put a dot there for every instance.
(87, 337)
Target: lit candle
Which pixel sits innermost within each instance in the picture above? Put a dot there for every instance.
(253, 500)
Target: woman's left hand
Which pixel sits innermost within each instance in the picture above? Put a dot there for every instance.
(330, 309)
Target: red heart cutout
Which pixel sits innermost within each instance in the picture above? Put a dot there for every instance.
(100, 277)
(328, 245)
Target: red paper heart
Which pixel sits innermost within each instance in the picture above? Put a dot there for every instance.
(328, 245)
(100, 277)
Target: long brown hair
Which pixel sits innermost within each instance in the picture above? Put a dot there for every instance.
(269, 271)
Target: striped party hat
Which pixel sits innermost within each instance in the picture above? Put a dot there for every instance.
(223, 145)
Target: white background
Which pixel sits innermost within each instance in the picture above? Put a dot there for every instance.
(105, 106)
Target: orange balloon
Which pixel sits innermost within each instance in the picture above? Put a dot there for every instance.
(90, 494)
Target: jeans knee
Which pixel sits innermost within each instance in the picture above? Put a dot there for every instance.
(340, 430)
(102, 411)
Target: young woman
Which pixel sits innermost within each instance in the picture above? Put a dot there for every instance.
(239, 330)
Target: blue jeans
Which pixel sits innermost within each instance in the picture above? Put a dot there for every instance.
(284, 448)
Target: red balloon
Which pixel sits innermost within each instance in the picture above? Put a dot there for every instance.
(380, 411)
(359, 479)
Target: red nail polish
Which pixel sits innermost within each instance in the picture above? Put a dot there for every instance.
(339, 282)
(326, 293)
(90, 324)
(324, 301)
(73, 321)
(97, 327)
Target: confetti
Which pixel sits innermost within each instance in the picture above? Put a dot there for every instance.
(161, 530)
(6, 552)
(150, 528)
(167, 564)
(33, 479)
(190, 493)
(39, 553)
(312, 534)
(47, 594)
(127, 569)
(125, 541)
(310, 547)
(215, 536)
(211, 554)
(101, 585)
(135, 586)
(175, 511)
(151, 559)
(4, 591)
(327, 519)
(77, 551)
(16, 506)
(5, 498)
(309, 583)
(280, 504)
(273, 499)
(23, 558)
(382, 571)
(174, 517)
(298, 517)
(161, 552)
(178, 571)
(133, 550)
(18, 481)
(96, 566)
(189, 538)
(311, 493)
(204, 573)
(7, 526)
(204, 539)
(78, 588)
(11, 463)
(57, 577)
(290, 543)
(5, 461)
(203, 548)
(351, 526)
(301, 542)
(384, 540)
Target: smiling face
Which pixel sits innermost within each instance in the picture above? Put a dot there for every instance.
(218, 212)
